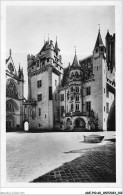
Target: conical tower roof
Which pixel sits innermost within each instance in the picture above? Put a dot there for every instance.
(99, 41)
(56, 47)
(75, 61)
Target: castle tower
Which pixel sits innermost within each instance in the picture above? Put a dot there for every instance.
(99, 70)
(44, 76)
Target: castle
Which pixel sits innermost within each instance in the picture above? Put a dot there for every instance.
(79, 97)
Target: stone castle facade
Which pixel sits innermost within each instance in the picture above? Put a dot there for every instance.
(14, 95)
(79, 97)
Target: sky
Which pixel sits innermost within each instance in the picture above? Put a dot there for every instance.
(74, 26)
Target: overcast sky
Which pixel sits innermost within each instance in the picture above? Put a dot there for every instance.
(77, 26)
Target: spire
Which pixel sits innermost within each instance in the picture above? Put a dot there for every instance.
(99, 41)
(48, 38)
(75, 61)
(56, 47)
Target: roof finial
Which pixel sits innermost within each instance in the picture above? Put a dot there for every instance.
(99, 27)
(56, 38)
(75, 49)
(10, 52)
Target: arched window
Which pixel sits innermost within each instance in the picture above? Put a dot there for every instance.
(77, 89)
(9, 107)
(11, 89)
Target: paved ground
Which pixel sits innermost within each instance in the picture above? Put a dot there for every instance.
(96, 165)
(31, 155)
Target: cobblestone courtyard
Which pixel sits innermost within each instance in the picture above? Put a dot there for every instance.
(60, 157)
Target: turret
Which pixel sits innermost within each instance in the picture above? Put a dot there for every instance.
(75, 71)
(57, 50)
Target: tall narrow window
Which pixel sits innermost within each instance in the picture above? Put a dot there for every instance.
(71, 107)
(39, 111)
(88, 106)
(107, 107)
(88, 90)
(62, 97)
(77, 98)
(50, 93)
(77, 106)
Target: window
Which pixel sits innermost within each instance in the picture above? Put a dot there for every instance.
(47, 60)
(77, 98)
(62, 97)
(55, 82)
(88, 90)
(77, 89)
(50, 93)
(88, 106)
(72, 98)
(104, 108)
(39, 97)
(71, 89)
(32, 67)
(77, 106)
(97, 67)
(9, 107)
(45, 115)
(39, 124)
(104, 90)
(71, 106)
(107, 93)
(39, 83)
(39, 111)
(62, 110)
(11, 89)
(107, 107)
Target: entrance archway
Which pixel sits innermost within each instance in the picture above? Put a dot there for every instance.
(68, 123)
(26, 126)
(79, 123)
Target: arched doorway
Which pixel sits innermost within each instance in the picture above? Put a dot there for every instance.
(26, 126)
(79, 123)
(10, 122)
(68, 122)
